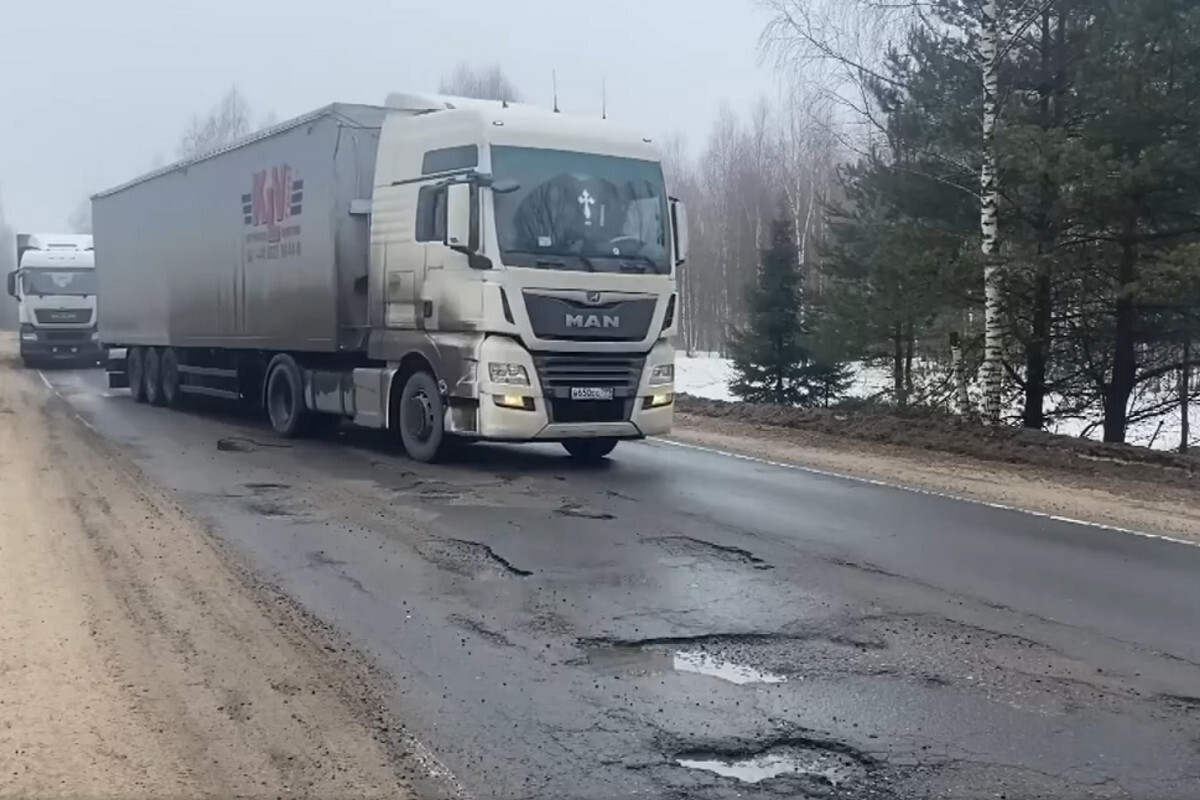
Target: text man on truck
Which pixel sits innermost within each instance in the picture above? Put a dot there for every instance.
(439, 267)
(55, 289)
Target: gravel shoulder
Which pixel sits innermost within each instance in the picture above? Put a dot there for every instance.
(136, 660)
(1116, 486)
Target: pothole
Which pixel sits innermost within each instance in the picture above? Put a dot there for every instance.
(704, 664)
(472, 559)
(825, 767)
(660, 659)
(687, 546)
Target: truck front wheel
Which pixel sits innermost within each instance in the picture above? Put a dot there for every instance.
(135, 363)
(421, 417)
(589, 451)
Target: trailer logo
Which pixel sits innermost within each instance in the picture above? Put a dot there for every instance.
(275, 201)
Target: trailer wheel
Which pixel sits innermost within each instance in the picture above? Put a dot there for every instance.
(422, 418)
(135, 363)
(152, 369)
(172, 393)
(285, 398)
(589, 451)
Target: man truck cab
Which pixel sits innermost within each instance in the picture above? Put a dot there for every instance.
(55, 289)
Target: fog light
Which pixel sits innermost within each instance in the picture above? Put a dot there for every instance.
(657, 400)
(514, 401)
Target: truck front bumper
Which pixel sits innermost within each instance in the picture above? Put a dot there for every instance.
(537, 412)
(60, 346)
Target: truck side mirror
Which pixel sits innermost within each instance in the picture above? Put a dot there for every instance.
(458, 216)
(12, 284)
(679, 224)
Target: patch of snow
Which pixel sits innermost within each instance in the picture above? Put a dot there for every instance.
(707, 375)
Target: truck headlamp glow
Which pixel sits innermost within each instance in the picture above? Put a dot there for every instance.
(662, 375)
(508, 374)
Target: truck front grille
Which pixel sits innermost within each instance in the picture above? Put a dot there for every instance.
(590, 410)
(559, 373)
(60, 316)
(64, 337)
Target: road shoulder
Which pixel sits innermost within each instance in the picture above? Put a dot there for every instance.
(136, 656)
(1104, 499)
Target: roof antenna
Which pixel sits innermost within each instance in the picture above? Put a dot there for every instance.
(603, 98)
(554, 78)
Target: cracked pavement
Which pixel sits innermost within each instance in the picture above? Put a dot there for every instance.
(680, 624)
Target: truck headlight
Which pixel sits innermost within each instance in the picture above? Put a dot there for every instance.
(662, 375)
(95, 336)
(28, 334)
(508, 374)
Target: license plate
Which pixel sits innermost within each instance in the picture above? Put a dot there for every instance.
(591, 393)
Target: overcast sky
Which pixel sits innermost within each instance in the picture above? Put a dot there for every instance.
(92, 91)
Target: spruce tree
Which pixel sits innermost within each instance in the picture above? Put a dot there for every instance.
(770, 359)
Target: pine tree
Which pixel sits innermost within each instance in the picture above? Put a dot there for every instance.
(770, 359)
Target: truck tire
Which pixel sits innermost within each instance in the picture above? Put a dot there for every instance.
(152, 370)
(589, 451)
(135, 363)
(285, 398)
(422, 416)
(172, 393)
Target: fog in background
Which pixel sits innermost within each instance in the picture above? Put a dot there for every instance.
(96, 93)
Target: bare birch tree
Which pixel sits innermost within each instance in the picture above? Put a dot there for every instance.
(80, 220)
(481, 83)
(223, 125)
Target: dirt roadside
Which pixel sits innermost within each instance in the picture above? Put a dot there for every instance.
(1104, 487)
(135, 661)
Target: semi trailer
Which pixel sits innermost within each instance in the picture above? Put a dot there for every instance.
(446, 269)
(55, 289)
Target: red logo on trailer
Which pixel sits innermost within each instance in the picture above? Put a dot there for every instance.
(276, 198)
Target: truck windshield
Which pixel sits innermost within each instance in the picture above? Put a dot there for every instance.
(581, 211)
(58, 281)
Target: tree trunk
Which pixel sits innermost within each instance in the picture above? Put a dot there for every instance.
(1124, 365)
(910, 342)
(961, 395)
(1037, 350)
(898, 381)
(1185, 390)
(992, 374)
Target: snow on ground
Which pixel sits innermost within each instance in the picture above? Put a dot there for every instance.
(708, 375)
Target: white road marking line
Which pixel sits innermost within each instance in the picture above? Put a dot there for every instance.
(927, 492)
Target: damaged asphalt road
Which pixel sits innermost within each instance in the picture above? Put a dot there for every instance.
(680, 624)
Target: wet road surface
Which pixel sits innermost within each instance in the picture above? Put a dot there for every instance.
(682, 624)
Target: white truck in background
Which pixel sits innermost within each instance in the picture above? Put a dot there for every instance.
(447, 269)
(55, 289)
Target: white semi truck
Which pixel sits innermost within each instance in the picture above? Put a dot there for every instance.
(443, 268)
(55, 289)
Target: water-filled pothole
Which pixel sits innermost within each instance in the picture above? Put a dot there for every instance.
(702, 663)
(697, 662)
(827, 767)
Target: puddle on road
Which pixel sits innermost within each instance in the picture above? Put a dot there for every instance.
(696, 662)
(702, 663)
(832, 768)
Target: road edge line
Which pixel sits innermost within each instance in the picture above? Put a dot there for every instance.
(824, 473)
